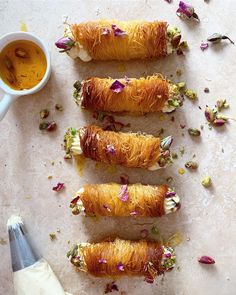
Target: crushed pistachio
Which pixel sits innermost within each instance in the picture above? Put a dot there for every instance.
(181, 171)
(178, 72)
(206, 181)
(3, 242)
(181, 86)
(52, 236)
(174, 156)
(49, 176)
(170, 179)
(182, 151)
(191, 165)
(59, 107)
(44, 113)
(194, 132)
(190, 94)
(155, 230)
(221, 104)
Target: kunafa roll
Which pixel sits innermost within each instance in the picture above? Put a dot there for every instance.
(123, 257)
(113, 199)
(138, 96)
(119, 40)
(132, 150)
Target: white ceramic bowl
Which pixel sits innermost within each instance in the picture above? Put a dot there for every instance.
(11, 94)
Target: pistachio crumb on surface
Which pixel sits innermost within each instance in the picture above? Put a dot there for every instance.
(181, 171)
(59, 107)
(52, 236)
(192, 95)
(206, 181)
(191, 165)
(44, 113)
(194, 132)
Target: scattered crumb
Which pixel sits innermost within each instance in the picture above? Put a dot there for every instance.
(182, 151)
(181, 171)
(58, 230)
(59, 107)
(68, 242)
(28, 197)
(206, 90)
(23, 27)
(169, 179)
(3, 242)
(162, 118)
(188, 239)
(52, 163)
(178, 72)
(49, 176)
(52, 236)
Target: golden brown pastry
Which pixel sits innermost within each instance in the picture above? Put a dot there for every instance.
(119, 40)
(137, 96)
(123, 257)
(113, 199)
(117, 148)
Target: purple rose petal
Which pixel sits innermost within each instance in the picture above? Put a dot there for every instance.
(110, 149)
(117, 31)
(204, 46)
(126, 79)
(133, 213)
(186, 10)
(124, 194)
(120, 266)
(102, 260)
(60, 186)
(117, 87)
(105, 31)
(107, 207)
(170, 194)
(64, 43)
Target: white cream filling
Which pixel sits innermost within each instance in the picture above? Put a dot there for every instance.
(75, 146)
(171, 204)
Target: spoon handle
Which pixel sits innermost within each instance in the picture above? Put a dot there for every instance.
(5, 104)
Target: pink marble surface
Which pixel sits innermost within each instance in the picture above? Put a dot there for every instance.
(207, 216)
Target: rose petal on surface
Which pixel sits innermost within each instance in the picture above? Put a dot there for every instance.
(170, 194)
(149, 280)
(120, 266)
(117, 31)
(185, 9)
(204, 46)
(124, 194)
(206, 260)
(60, 186)
(117, 86)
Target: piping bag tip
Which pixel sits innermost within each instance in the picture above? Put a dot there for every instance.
(14, 221)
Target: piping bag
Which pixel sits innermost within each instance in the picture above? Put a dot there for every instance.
(31, 273)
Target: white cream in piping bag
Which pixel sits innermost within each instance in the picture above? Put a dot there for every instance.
(31, 275)
(37, 279)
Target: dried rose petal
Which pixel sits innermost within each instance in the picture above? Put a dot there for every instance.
(186, 11)
(111, 287)
(206, 260)
(133, 213)
(110, 149)
(144, 233)
(107, 207)
(117, 86)
(124, 179)
(60, 186)
(168, 1)
(117, 31)
(120, 266)
(149, 279)
(170, 194)
(74, 201)
(102, 260)
(106, 31)
(51, 126)
(204, 46)
(64, 43)
(124, 194)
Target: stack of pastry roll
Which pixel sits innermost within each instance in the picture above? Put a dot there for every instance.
(119, 40)
(113, 199)
(131, 95)
(131, 150)
(123, 257)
